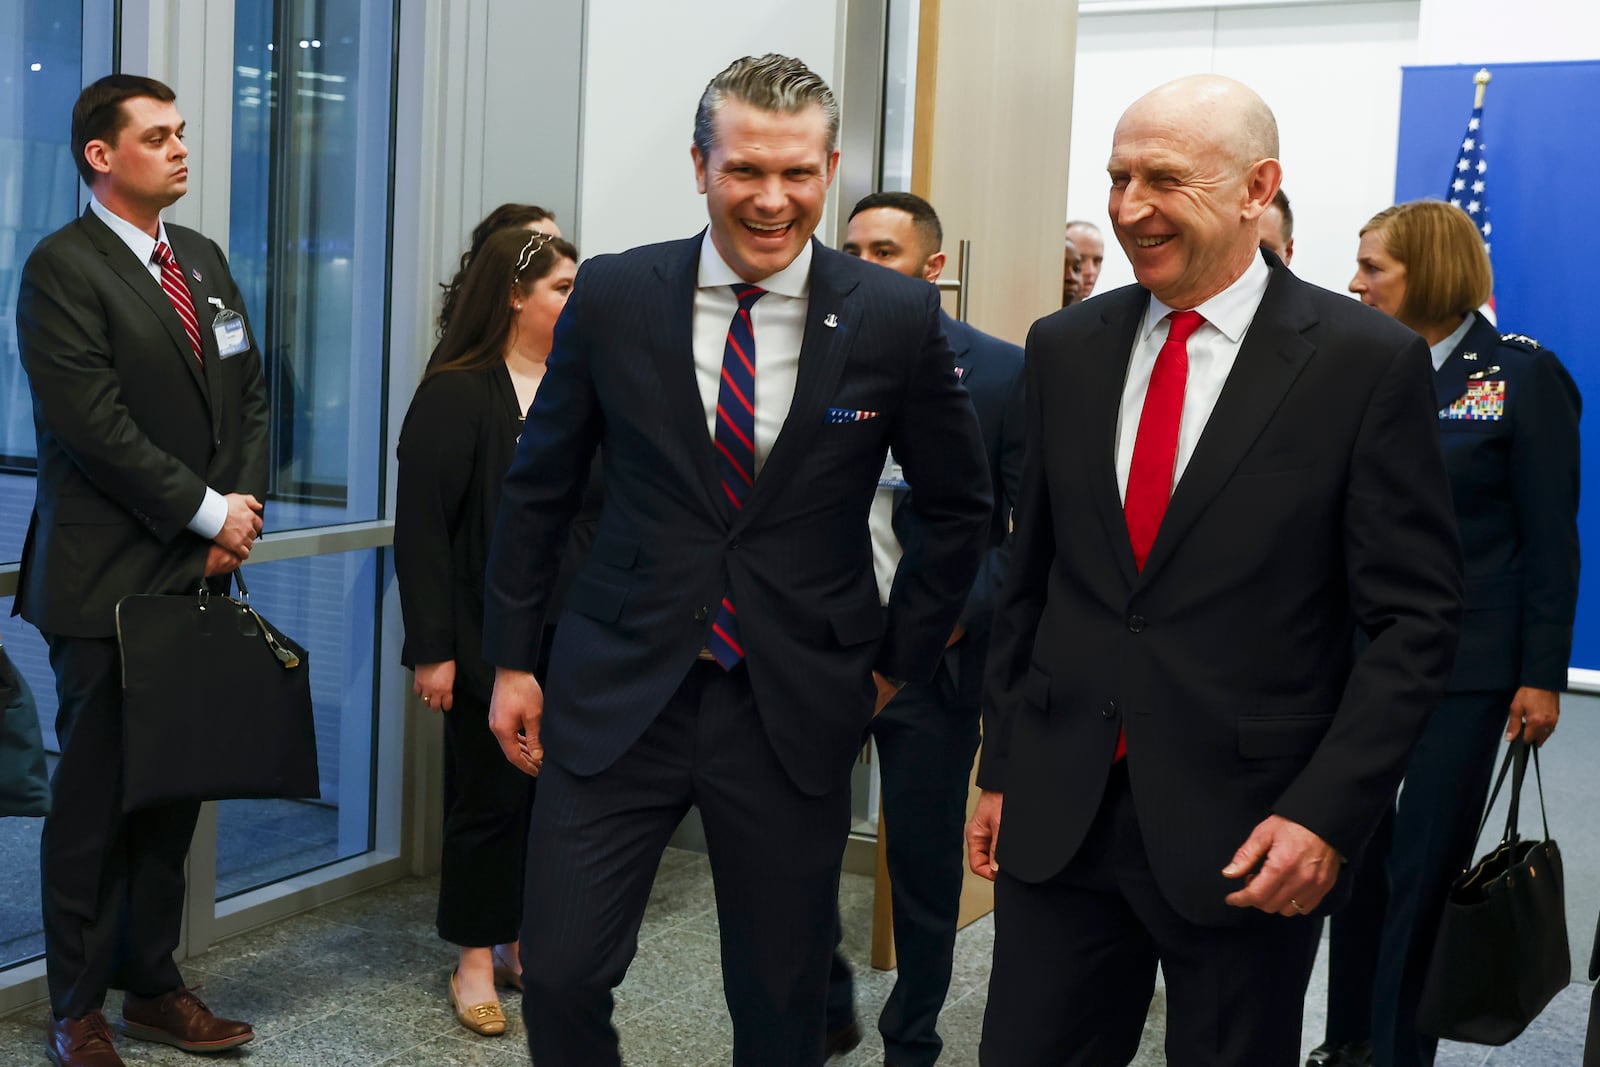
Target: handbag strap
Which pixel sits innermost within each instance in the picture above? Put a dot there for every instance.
(1494, 794)
(1538, 781)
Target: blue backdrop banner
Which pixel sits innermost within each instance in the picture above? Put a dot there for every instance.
(1541, 142)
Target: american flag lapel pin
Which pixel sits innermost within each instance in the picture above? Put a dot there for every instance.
(831, 321)
(194, 274)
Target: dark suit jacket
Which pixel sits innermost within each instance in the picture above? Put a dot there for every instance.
(991, 371)
(796, 560)
(130, 431)
(1514, 475)
(455, 445)
(1315, 502)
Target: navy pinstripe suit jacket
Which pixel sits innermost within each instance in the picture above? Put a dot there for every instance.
(797, 559)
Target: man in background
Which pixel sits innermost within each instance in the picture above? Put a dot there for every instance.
(928, 734)
(1072, 275)
(1092, 247)
(1277, 228)
(1228, 473)
(723, 645)
(151, 420)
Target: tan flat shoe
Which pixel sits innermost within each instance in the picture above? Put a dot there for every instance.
(487, 1019)
(504, 976)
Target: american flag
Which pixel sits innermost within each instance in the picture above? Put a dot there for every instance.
(1469, 178)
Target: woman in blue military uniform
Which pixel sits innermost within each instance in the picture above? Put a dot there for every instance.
(1508, 422)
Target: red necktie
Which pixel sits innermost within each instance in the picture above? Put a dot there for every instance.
(1155, 449)
(173, 285)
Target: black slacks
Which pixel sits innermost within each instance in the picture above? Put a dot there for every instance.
(926, 741)
(775, 854)
(1075, 963)
(112, 885)
(484, 853)
(1434, 825)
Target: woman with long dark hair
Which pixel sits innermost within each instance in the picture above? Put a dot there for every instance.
(455, 445)
(504, 217)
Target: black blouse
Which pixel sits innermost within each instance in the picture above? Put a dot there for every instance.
(455, 445)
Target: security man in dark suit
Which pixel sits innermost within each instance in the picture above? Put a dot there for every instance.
(723, 645)
(1228, 473)
(927, 735)
(1508, 420)
(151, 421)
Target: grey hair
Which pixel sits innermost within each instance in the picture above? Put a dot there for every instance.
(770, 83)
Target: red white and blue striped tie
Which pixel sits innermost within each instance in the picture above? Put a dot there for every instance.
(177, 291)
(735, 439)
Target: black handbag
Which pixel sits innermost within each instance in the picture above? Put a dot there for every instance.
(216, 702)
(24, 782)
(1501, 953)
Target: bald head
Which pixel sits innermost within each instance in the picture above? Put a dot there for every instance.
(1193, 166)
(1227, 113)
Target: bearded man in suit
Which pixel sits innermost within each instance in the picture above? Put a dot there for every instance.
(1229, 473)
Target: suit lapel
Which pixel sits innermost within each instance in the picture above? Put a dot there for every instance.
(1102, 374)
(196, 274)
(138, 278)
(1470, 356)
(831, 320)
(1271, 357)
(671, 327)
(961, 346)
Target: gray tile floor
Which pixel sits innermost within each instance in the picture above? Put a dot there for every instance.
(362, 982)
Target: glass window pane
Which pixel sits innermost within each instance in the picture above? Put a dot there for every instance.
(309, 238)
(42, 67)
(329, 605)
(21, 932)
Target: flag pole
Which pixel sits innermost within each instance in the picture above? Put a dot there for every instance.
(1481, 80)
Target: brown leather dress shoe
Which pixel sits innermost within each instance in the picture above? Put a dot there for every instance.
(182, 1020)
(84, 1042)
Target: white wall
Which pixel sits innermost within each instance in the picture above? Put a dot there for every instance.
(1500, 31)
(1330, 72)
(646, 64)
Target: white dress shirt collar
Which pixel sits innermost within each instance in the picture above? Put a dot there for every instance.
(1230, 311)
(141, 244)
(793, 280)
(1441, 351)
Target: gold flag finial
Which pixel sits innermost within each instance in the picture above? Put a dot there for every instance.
(1481, 80)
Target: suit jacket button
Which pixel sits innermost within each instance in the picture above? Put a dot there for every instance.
(702, 613)
(1135, 623)
(734, 543)
(1109, 710)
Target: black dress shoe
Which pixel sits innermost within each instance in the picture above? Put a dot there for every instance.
(1341, 1054)
(842, 1039)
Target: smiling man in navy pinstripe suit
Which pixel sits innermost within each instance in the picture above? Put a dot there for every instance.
(723, 646)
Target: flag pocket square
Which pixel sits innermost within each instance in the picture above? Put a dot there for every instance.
(838, 415)
(1483, 401)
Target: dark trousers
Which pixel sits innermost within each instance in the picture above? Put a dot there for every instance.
(1353, 936)
(112, 884)
(484, 854)
(775, 854)
(926, 741)
(1434, 826)
(1075, 963)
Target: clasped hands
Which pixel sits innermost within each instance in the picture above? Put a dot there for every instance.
(231, 547)
(1286, 868)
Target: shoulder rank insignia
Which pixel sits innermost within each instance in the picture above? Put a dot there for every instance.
(1520, 339)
